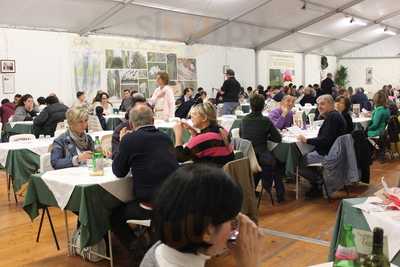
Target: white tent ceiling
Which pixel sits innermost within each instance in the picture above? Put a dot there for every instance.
(309, 26)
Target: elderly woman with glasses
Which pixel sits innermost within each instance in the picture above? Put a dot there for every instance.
(74, 147)
(210, 144)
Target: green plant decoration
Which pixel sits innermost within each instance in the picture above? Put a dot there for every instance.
(341, 76)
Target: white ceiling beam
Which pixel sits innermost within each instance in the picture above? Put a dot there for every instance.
(199, 35)
(204, 15)
(377, 21)
(105, 16)
(362, 46)
(345, 35)
(307, 24)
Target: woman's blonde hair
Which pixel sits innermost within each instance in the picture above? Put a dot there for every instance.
(76, 114)
(206, 110)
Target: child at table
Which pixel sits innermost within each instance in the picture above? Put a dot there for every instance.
(100, 116)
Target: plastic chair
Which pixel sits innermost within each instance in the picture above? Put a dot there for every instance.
(45, 164)
(21, 137)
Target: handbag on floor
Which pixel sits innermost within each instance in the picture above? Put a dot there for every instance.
(88, 252)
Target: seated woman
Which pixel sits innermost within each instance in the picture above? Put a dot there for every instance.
(195, 214)
(46, 122)
(258, 129)
(308, 97)
(282, 116)
(74, 147)
(102, 100)
(380, 115)
(210, 145)
(25, 110)
(99, 111)
(342, 105)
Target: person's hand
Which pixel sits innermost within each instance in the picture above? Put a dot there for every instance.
(247, 248)
(84, 156)
(285, 111)
(190, 128)
(178, 130)
(123, 132)
(302, 139)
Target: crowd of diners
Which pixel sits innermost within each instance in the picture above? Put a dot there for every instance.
(195, 207)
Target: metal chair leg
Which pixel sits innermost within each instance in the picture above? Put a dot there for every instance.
(297, 183)
(52, 228)
(259, 197)
(40, 226)
(110, 249)
(8, 187)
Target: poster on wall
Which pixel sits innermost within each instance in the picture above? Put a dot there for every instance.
(7, 66)
(8, 83)
(368, 75)
(281, 69)
(137, 70)
(87, 71)
(187, 70)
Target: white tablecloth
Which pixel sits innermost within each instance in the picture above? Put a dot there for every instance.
(62, 183)
(13, 123)
(330, 264)
(38, 146)
(389, 221)
(115, 116)
(99, 134)
(290, 137)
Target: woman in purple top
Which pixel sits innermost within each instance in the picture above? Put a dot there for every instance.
(282, 117)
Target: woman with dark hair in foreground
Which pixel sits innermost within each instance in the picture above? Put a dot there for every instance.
(197, 217)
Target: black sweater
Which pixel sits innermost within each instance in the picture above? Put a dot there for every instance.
(259, 129)
(231, 89)
(149, 154)
(334, 126)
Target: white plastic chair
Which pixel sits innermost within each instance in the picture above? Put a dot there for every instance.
(45, 164)
(59, 132)
(21, 137)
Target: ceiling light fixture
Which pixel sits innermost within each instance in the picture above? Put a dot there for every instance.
(304, 7)
(388, 32)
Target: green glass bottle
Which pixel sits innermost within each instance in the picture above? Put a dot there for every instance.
(377, 258)
(97, 158)
(98, 152)
(346, 254)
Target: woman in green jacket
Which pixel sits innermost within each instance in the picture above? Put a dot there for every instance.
(380, 115)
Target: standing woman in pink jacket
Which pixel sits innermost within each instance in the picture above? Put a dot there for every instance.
(163, 98)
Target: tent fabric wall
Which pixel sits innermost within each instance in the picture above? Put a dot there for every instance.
(381, 57)
(44, 60)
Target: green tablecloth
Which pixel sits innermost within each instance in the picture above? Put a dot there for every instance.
(284, 152)
(93, 204)
(112, 123)
(17, 129)
(171, 134)
(290, 155)
(348, 215)
(21, 164)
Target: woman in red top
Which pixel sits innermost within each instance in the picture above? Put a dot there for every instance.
(211, 144)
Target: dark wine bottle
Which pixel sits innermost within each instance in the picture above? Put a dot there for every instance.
(377, 258)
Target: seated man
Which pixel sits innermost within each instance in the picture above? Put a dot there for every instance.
(334, 126)
(149, 155)
(282, 117)
(259, 129)
(124, 126)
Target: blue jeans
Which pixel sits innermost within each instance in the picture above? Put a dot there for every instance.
(312, 174)
(229, 108)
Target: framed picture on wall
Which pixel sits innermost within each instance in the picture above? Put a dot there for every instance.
(8, 83)
(7, 66)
